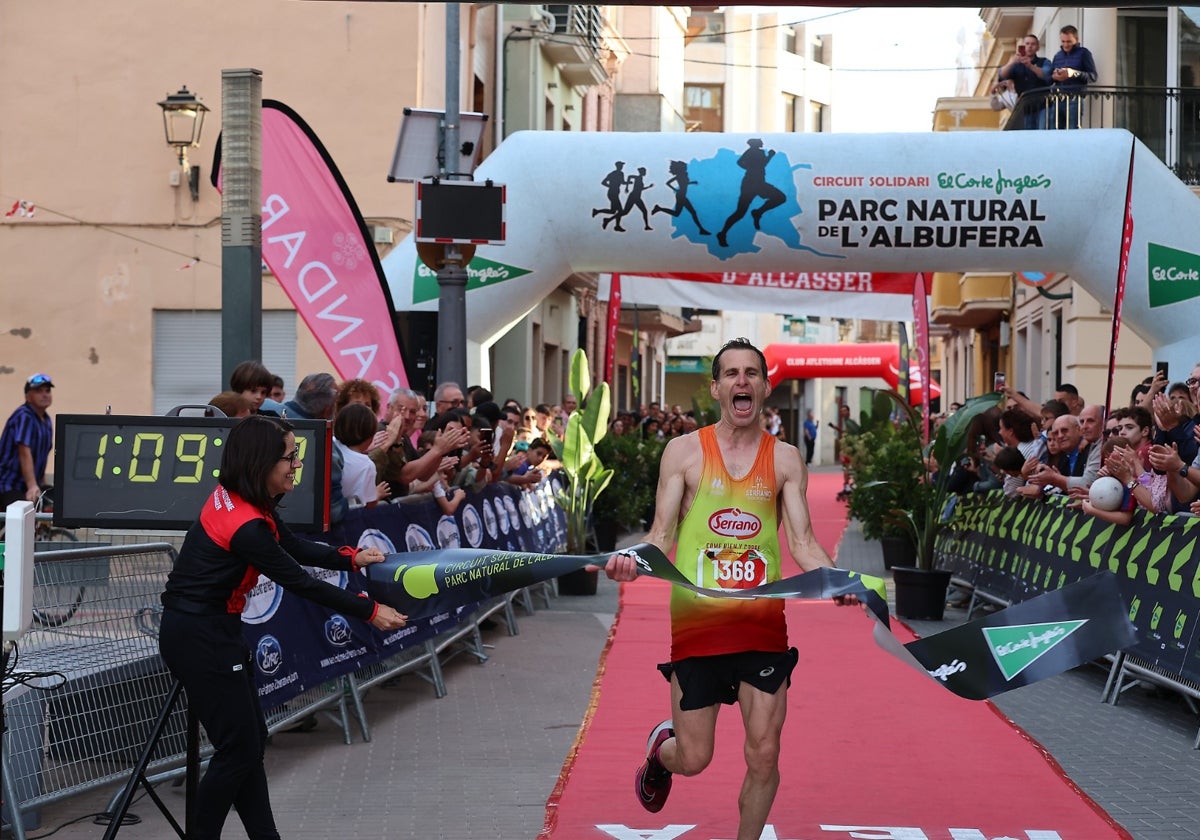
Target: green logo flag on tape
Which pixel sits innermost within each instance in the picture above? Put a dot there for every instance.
(1072, 625)
(1018, 646)
(1027, 642)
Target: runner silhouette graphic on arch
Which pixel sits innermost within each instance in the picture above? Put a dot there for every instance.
(754, 185)
(613, 181)
(635, 185)
(679, 182)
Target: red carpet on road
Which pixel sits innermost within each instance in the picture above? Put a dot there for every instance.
(871, 748)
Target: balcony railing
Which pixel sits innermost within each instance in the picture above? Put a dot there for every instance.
(586, 22)
(577, 42)
(1166, 120)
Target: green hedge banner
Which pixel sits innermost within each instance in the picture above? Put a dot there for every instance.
(1015, 549)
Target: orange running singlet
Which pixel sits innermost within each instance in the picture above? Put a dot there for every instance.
(729, 539)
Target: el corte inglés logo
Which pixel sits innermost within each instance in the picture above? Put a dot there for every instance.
(1174, 275)
(1018, 646)
(480, 272)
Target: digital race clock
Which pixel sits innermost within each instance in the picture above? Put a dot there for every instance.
(113, 471)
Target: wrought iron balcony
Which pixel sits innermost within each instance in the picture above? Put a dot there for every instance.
(576, 43)
(1166, 120)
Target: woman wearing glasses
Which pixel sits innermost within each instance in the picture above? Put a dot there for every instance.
(238, 536)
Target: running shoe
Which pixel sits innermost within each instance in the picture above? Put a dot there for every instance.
(653, 781)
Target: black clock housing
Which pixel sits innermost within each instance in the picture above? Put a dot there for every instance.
(126, 471)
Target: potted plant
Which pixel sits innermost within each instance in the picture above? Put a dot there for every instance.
(585, 476)
(888, 477)
(630, 493)
(921, 590)
(902, 489)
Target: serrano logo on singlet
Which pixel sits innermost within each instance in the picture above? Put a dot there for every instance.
(731, 522)
(759, 490)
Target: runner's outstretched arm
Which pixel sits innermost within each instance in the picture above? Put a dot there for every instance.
(667, 501)
(792, 476)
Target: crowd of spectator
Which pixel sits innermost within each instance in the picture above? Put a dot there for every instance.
(407, 447)
(1151, 445)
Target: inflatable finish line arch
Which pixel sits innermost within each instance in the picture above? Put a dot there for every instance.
(822, 205)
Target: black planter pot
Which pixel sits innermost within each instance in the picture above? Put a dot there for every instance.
(898, 551)
(578, 582)
(607, 532)
(920, 593)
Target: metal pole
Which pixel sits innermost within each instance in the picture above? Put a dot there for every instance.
(452, 277)
(241, 219)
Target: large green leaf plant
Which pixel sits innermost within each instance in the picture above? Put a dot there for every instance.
(901, 487)
(585, 476)
(948, 447)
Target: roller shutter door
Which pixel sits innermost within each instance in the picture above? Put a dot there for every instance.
(187, 354)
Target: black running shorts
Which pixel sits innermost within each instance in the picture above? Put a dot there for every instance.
(709, 680)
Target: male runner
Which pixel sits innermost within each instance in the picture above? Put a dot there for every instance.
(722, 492)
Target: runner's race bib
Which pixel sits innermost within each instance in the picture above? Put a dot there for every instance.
(731, 568)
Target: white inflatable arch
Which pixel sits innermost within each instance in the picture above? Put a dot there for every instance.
(820, 213)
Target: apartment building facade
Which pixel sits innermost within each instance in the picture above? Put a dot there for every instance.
(1043, 328)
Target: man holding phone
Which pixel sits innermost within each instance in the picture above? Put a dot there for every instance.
(1028, 71)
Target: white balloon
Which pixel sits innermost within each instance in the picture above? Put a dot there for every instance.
(1107, 493)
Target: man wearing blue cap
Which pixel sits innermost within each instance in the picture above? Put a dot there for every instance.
(25, 444)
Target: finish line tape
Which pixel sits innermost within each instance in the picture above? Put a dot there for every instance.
(1022, 644)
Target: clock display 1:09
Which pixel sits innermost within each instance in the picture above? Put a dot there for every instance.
(143, 461)
(114, 471)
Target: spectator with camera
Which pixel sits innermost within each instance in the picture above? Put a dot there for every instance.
(1028, 71)
(1176, 418)
(1020, 431)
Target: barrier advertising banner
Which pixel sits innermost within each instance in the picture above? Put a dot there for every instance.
(1015, 549)
(298, 645)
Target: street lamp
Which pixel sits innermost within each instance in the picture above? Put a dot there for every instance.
(183, 120)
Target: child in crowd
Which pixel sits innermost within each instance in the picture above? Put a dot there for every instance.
(353, 429)
(528, 474)
(1150, 490)
(232, 404)
(1008, 461)
(448, 497)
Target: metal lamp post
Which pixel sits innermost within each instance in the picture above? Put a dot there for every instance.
(183, 122)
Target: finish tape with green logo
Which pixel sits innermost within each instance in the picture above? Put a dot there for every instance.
(1022, 644)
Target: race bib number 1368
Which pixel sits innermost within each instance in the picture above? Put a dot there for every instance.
(733, 569)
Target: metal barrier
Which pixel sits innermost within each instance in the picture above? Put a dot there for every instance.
(1004, 551)
(87, 680)
(1128, 670)
(88, 683)
(1163, 118)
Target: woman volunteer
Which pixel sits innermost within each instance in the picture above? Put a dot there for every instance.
(238, 536)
